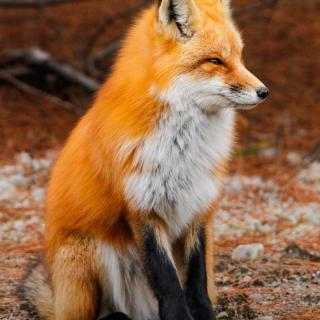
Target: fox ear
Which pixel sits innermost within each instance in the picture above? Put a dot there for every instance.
(177, 16)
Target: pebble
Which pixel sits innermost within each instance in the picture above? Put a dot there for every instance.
(222, 315)
(256, 297)
(294, 158)
(38, 194)
(252, 251)
(245, 280)
(269, 152)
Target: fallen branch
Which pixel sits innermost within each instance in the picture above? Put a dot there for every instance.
(26, 88)
(33, 3)
(17, 71)
(105, 53)
(37, 57)
(108, 51)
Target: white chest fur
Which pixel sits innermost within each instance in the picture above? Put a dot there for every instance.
(178, 161)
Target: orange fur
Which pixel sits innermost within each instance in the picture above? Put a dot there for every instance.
(85, 201)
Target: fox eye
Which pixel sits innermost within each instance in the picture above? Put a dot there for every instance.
(216, 61)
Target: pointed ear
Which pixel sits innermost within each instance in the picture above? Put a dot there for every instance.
(177, 17)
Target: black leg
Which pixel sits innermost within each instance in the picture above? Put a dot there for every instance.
(196, 283)
(116, 316)
(163, 277)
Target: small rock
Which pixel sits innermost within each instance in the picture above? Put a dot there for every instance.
(38, 195)
(269, 152)
(245, 280)
(248, 252)
(256, 297)
(25, 161)
(19, 225)
(294, 158)
(222, 315)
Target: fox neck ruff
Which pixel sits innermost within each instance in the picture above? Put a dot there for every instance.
(180, 162)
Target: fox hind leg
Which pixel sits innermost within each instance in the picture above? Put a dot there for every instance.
(76, 293)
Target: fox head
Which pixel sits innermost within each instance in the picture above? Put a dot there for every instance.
(194, 53)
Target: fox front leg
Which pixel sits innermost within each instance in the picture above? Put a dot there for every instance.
(163, 276)
(196, 286)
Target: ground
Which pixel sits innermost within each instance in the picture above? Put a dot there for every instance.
(282, 213)
(272, 195)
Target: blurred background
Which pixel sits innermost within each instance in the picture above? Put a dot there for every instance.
(54, 54)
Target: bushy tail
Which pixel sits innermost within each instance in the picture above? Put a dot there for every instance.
(37, 291)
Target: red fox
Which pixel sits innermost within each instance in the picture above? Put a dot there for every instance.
(131, 199)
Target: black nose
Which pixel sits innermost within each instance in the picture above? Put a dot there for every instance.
(263, 92)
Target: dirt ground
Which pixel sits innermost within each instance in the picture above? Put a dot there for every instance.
(272, 195)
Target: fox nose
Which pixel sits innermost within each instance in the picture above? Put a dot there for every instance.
(263, 92)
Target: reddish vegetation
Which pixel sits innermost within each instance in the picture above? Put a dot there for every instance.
(277, 209)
